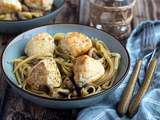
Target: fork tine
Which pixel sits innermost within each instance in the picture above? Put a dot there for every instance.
(154, 37)
(150, 36)
(146, 31)
(143, 38)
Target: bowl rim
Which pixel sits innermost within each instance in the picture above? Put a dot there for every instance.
(37, 18)
(73, 99)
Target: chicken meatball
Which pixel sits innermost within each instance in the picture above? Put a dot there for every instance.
(8, 6)
(45, 73)
(75, 44)
(87, 70)
(40, 4)
(41, 44)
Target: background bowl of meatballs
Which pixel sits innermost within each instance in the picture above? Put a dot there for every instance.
(27, 14)
(35, 41)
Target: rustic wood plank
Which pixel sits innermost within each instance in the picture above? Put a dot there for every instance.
(146, 10)
(4, 40)
(70, 13)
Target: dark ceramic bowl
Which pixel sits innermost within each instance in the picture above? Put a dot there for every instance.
(16, 48)
(15, 27)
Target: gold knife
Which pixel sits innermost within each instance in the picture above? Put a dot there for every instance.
(127, 94)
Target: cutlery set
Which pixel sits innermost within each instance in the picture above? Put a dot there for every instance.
(149, 47)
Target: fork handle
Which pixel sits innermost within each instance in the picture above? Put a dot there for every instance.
(127, 94)
(143, 89)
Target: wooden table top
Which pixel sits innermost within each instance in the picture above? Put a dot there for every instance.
(14, 107)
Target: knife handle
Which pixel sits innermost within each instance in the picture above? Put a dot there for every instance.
(143, 89)
(127, 94)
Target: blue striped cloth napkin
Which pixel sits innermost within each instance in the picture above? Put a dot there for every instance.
(150, 105)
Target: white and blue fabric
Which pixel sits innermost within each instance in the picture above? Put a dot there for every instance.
(149, 108)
